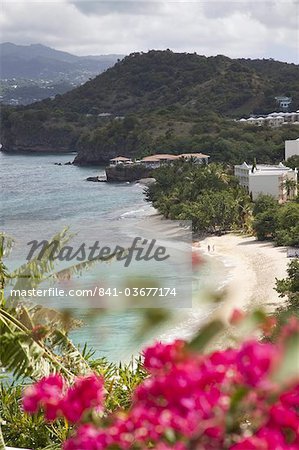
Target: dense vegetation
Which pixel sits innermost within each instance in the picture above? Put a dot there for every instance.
(276, 222)
(288, 288)
(171, 103)
(164, 81)
(208, 195)
(212, 199)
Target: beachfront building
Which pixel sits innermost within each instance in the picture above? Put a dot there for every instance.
(291, 148)
(268, 179)
(151, 162)
(199, 158)
(159, 159)
(120, 160)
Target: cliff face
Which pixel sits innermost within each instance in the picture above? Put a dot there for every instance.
(127, 173)
(101, 154)
(37, 135)
(126, 137)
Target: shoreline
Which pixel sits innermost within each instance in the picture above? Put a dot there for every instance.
(243, 270)
(248, 281)
(253, 267)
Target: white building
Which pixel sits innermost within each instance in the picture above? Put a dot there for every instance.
(275, 119)
(269, 180)
(284, 102)
(291, 148)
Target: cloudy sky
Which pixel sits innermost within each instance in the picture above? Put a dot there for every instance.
(243, 28)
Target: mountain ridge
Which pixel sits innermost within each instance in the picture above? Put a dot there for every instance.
(14, 56)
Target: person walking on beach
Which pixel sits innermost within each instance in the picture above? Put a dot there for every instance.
(209, 248)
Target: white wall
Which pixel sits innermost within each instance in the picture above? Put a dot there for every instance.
(291, 148)
(264, 184)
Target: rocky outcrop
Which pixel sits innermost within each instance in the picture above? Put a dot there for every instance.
(146, 181)
(97, 179)
(121, 173)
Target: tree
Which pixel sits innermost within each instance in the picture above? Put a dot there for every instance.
(264, 224)
(264, 202)
(293, 162)
(288, 288)
(290, 186)
(33, 339)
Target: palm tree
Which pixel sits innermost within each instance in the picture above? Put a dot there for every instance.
(290, 186)
(34, 339)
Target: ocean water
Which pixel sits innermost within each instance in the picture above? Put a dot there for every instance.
(37, 192)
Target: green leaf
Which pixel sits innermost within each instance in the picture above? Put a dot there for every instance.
(206, 334)
(289, 367)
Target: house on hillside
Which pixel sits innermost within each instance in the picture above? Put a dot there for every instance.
(283, 102)
(104, 115)
(275, 119)
(278, 181)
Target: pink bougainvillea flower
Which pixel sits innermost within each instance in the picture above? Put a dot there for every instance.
(197, 260)
(237, 316)
(163, 356)
(255, 362)
(88, 437)
(46, 394)
(86, 393)
(186, 402)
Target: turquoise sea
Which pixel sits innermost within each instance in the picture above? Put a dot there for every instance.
(35, 190)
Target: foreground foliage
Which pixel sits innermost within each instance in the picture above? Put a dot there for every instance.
(240, 398)
(26, 431)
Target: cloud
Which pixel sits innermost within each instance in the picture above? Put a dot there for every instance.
(273, 14)
(236, 29)
(129, 7)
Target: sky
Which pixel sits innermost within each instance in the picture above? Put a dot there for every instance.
(244, 28)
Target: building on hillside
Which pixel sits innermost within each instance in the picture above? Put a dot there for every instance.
(291, 148)
(265, 179)
(103, 115)
(120, 160)
(283, 102)
(275, 119)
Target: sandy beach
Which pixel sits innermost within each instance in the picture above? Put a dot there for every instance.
(253, 267)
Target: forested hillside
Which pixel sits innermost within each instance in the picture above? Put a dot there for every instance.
(163, 101)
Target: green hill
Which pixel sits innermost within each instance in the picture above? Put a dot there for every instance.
(170, 101)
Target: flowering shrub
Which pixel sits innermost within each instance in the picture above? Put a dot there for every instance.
(237, 399)
(56, 399)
